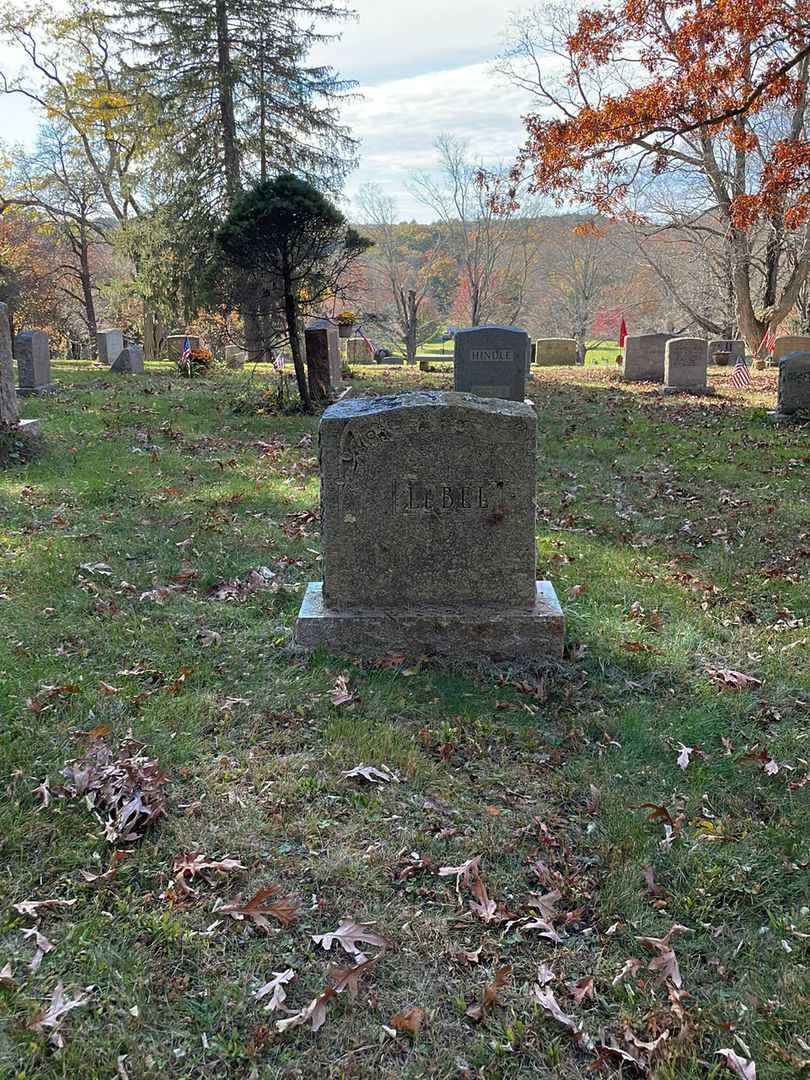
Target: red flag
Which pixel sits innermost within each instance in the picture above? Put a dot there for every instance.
(622, 333)
(769, 342)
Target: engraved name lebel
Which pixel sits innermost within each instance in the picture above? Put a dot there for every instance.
(487, 355)
(413, 495)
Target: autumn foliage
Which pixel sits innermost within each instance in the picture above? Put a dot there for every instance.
(674, 69)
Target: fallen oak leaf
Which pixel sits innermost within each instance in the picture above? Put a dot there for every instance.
(348, 978)
(581, 989)
(546, 1000)
(340, 694)
(546, 904)
(371, 774)
(33, 907)
(631, 968)
(50, 1018)
(728, 679)
(43, 946)
(481, 905)
(284, 910)
(409, 1022)
(667, 965)
(195, 864)
(313, 1014)
(489, 995)
(348, 934)
(7, 980)
(744, 1068)
(464, 874)
(276, 988)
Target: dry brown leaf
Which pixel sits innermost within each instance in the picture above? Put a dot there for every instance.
(546, 999)
(654, 889)
(728, 679)
(581, 989)
(489, 996)
(340, 694)
(348, 978)
(276, 989)
(481, 905)
(631, 967)
(410, 1022)
(43, 946)
(544, 975)
(667, 965)
(466, 956)
(546, 904)
(347, 936)
(7, 980)
(33, 907)
(464, 874)
(594, 800)
(372, 774)
(194, 865)
(257, 909)
(51, 1016)
(744, 1068)
(313, 1014)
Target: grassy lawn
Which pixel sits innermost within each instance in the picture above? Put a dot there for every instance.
(677, 534)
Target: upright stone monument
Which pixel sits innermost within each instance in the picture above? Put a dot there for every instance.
(109, 344)
(235, 357)
(556, 352)
(175, 342)
(644, 358)
(322, 344)
(685, 361)
(130, 361)
(9, 415)
(428, 533)
(491, 361)
(33, 356)
(357, 352)
(793, 392)
(732, 348)
(786, 345)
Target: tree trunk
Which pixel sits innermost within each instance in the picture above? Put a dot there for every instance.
(225, 82)
(87, 286)
(8, 391)
(412, 312)
(291, 314)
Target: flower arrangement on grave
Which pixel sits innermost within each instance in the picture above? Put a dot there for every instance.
(346, 320)
(195, 362)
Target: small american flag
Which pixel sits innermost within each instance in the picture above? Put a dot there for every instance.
(186, 349)
(278, 362)
(769, 341)
(740, 376)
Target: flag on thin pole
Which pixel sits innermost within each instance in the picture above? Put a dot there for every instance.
(622, 333)
(186, 348)
(369, 344)
(740, 376)
(769, 342)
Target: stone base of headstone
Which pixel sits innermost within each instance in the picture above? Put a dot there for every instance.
(32, 391)
(700, 391)
(480, 635)
(776, 417)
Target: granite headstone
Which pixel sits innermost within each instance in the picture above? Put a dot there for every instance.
(491, 361)
(130, 361)
(556, 352)
(428, 532)
(732, 347)
(786, 345)
(685, 361)
(322, 344)
(235, 357)
(33, 355)
(644, 357)
(793, 393)
(109, 344)
(175, 344)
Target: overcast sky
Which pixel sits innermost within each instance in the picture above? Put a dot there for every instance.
(423, 70)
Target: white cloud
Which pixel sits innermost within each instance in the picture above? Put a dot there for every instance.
(398, 122)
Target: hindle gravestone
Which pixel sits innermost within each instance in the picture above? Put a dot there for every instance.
(685, 366)
(33, 356)
(644, 357)
(428, 532)
(492, 361)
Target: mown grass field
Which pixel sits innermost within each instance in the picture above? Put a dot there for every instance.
(677, 534)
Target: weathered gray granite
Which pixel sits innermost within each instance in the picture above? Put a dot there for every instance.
(685, 362)
(322, 345)
(735, 347)
(555, 352)
(644, 357)
(130, 361)
(33, 355)
(786, 346)
(235, 357)
(109, 344)
(9, 414)
(492, 361)
(793, 391)
(428, 532)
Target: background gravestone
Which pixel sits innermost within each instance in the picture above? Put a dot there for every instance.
(491, 361)
(174, 345)
(786, 345)
(644, 357)
(130, 361)
(793, 393)
(235, 357)
(109, 344)
(9, 414)
(735, 347)
(556, 352)
(685, 361)
(357, 351)
(33, 356)
(428, 532)
(322, 345)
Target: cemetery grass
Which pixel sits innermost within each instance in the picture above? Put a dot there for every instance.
(677, 535)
